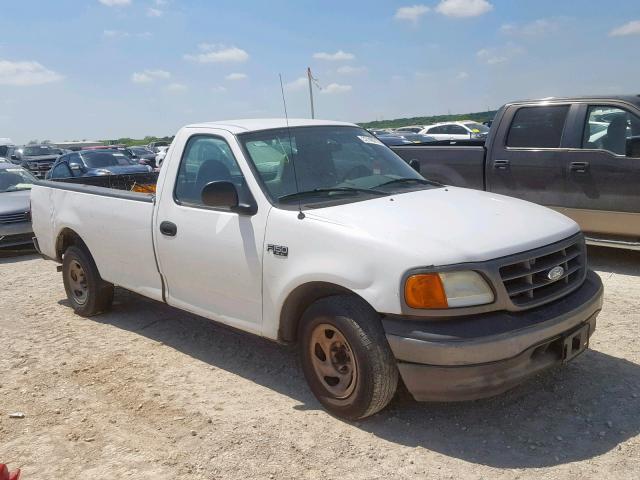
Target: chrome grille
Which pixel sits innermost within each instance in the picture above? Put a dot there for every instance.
(528, 281)
(14, 218)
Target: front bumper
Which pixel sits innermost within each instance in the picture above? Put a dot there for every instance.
(15, 234)
(483, 355)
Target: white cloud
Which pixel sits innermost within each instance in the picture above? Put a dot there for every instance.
(26, 73)
(149, 76)
(464, 8)
(462, 76)
(297, 84)
(211, 53)
(236, 76)
(542, 26)
(334, 57)
(498, 55)
(154, 12)
(336, 88)
(177, 88)
(115, 3)
(350, 70)
(630, 28)
(411, 14)
(218, 89)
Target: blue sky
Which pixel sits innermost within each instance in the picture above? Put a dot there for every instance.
(72, 69)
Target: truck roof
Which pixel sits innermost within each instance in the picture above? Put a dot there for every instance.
(633, 99)
(256, 124)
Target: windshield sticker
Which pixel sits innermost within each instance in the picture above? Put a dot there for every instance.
(475, 130)
(371, 140)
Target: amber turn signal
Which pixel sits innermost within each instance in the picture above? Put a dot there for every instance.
(425, 291)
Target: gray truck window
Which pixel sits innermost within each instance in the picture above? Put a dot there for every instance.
(538, 127)
(205, 159)
(608, 128)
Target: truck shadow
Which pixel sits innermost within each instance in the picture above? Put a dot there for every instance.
(614, 260)
(578, 412)
(15, 256)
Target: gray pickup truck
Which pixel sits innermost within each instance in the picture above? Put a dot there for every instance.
(579, 156)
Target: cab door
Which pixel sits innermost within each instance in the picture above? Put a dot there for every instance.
(210, 258)
(603, 178)
(526, 160)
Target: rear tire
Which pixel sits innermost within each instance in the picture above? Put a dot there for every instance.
(346, 358)
(86, 291)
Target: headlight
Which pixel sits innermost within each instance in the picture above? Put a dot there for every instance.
(447, 290)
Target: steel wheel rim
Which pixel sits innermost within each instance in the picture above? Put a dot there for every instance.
(77, 282)
(333, 360)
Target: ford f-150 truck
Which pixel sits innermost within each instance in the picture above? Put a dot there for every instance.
(315, 232)
(579, 156)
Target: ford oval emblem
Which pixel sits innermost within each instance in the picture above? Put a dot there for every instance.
(555, 273)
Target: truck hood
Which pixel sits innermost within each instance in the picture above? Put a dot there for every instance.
(451, 225)
(14, 202)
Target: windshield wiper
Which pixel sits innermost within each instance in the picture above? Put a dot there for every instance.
(347, 190)
(421, 181)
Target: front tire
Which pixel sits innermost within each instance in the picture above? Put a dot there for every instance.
(87, 292)
(346, 358)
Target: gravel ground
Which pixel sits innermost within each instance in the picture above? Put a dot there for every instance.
(149, 392)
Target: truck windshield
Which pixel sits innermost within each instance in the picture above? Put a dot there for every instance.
(40, 150)
(13, 179)
(326, 163)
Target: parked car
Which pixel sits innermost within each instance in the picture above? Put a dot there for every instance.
(155, 146)
(343, 248)
(89, 163)
(579, 156)
(15, 219)
(6, 148)
(464, 130)
(160, 156)
(144, 156)
(406, 138)
(38, 159)
(410, 129)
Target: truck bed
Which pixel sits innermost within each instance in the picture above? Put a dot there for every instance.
(459, 164)
(113, 219)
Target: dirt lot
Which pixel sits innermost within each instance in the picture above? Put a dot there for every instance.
(148, 392)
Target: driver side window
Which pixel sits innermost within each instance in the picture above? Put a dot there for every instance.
(608, 128)
(206, 159)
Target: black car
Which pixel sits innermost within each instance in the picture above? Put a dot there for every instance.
(92, 163)
(144, 156)
(38, 159)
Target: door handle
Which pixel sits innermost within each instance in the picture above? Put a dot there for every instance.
(501, 164)
(579, 167)
(168, 228)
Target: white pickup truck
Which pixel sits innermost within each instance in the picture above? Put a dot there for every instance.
(314, 232)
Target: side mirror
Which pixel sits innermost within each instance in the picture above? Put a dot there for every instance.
(75, 167)
(415, 164)
(223, 194)
(15, 157)
(220, 194)
(633, 147)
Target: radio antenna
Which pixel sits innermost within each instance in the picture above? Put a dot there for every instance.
(293, 163)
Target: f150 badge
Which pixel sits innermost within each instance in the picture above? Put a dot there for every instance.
(278, 250)
(555, 273)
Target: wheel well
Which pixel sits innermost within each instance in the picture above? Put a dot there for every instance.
(66, 238)
(298, 301)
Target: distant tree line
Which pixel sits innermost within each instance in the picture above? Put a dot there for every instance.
(134, 141)
(403, 122)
